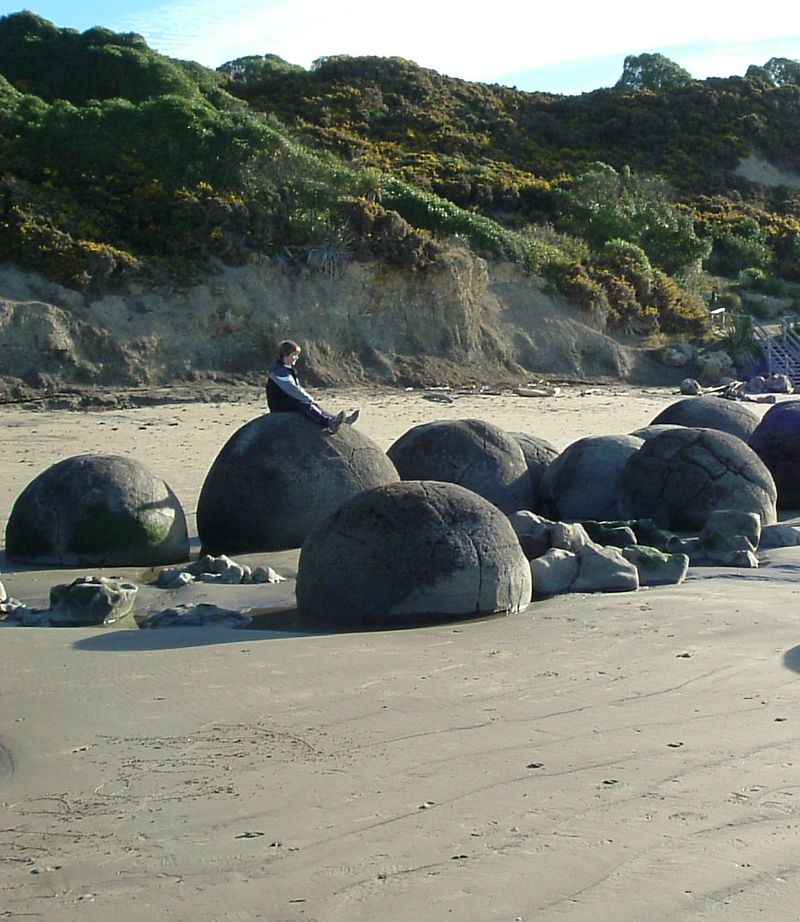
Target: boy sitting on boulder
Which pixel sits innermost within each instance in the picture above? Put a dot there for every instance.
(285, 394)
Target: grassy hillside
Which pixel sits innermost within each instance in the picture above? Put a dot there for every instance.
(117, 163)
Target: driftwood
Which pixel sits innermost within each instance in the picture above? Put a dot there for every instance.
(545, 391)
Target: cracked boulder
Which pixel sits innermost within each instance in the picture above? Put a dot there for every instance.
(280, 475)
(470, 452)
(680, 477)
(776, 440)
(97, 510)
(581, 483)
(710, 412)
(415, 550)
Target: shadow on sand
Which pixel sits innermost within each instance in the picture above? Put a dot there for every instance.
(281, 624)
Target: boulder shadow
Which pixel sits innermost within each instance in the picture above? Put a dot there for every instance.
(279, 624)
(275, 625)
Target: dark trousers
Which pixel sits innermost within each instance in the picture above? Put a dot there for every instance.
(316, 414)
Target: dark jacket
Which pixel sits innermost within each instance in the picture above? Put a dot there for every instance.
(284, 393)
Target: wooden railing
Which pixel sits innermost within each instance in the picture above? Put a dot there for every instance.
(780, 344)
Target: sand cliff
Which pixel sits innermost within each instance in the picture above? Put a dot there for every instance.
(463, 321)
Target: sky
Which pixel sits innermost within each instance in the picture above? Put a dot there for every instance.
(548, 47)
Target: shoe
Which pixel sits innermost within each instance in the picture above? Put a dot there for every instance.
(336, 423)
(352, 417)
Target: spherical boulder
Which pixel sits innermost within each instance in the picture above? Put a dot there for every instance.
(277, 477)
(678, 478)
(538, 454)
(710, 412)
(582, 481)
(412, 550)
(97, 510)
(470, 452)
(776, 441)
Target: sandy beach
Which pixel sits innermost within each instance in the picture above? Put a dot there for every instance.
(626, 756)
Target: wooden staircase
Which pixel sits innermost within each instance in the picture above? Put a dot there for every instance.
(780, 344)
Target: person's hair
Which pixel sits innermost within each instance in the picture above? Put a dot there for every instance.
(287, 347)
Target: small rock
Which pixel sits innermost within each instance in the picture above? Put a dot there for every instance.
(610, 533)
(533, 532)
(689, 546)
(725, 523)
(779, 384)
(90, 600)
(266, 575)
(230, 572)
(204, 564)
(779, 535)
(525, 522)
(167, 578)
(554, 571)
(569, 536)
(193, 616)
(690, 387)
(733, 558)
(655, 567)
(719, 548)
(604, 569)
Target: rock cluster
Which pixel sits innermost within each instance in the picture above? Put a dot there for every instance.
(565, 558)
(623, 555)
(209, 569)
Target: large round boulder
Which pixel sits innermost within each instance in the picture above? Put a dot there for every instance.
(776, 441)
(581, 483)
(470, 452)
(412, 550)
(678, 478)
(710, 412)
(538, 454)
(97, 510)
(277, 477)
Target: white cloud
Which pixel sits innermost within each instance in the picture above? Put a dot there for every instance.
(477, 43)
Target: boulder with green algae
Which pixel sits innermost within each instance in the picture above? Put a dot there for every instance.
(97, 510)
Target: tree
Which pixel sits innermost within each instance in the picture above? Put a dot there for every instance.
(604, 205)
(256, 66)
(777, 71)
(651, 72)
